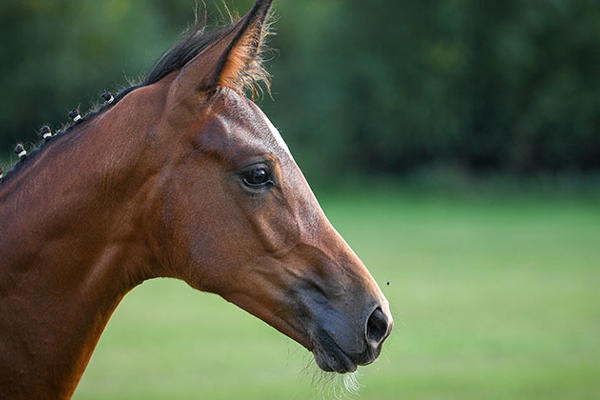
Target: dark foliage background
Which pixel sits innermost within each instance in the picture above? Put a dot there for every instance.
(377, 87)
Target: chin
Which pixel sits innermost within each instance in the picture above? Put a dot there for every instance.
(331, 357)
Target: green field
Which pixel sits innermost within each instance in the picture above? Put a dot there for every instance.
(494, 297)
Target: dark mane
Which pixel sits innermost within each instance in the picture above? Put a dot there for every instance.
(194, 40)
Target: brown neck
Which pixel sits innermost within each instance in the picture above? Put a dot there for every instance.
(70, 249)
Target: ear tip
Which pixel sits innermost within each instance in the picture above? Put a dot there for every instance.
(263, 3)
(259, 12)
(261, 7)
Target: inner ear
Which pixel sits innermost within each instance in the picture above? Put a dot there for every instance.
(243, 59)
(231, 60)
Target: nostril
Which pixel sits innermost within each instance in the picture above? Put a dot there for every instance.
(377, 327)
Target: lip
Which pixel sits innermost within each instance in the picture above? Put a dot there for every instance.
(330, 357)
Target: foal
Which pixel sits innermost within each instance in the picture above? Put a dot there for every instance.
(185, 177)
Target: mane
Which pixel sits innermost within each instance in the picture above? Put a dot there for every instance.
(195, 39)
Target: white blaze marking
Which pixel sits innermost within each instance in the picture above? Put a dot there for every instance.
(278, 137)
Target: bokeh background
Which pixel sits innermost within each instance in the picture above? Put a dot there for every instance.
(455, 144)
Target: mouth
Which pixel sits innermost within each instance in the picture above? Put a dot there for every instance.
(330, 357)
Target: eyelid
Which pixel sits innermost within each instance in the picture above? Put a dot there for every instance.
(258, 162)
(245, 160)
(265, 164)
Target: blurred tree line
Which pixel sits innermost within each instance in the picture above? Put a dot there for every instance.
(379, 86)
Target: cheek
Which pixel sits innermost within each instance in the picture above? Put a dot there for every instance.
(216, 230)
(273, 221)
(216, 240)
(240, 231)
(276, 228)
(216, 250)
(198, 233)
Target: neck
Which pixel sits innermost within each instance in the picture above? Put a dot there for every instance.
(70, 248)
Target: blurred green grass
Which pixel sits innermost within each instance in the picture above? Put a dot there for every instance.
(494, 297)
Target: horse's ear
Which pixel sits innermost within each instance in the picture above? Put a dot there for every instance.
(233, 60)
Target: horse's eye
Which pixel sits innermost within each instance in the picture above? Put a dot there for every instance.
(257, 177)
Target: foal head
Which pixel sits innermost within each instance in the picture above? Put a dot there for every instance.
(235, 216)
